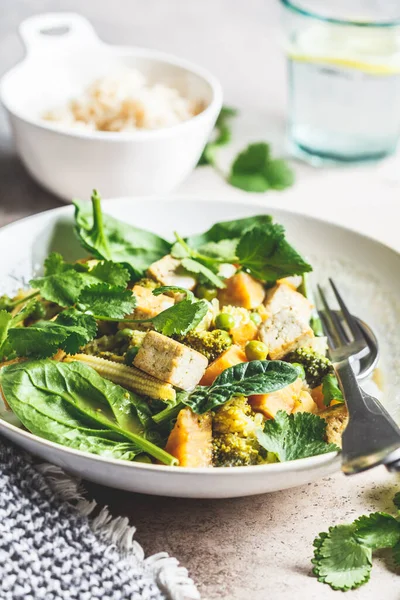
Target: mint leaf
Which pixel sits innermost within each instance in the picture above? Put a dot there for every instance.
(244, 379)
(266, 254)
(340, 560)
(378, 530)
(331, 390)
(295, 436)
(254, 170)
(102, 300)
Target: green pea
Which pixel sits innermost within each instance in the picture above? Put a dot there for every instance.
(202, 291)
(224, 321)
(256, 350)
(123, 335)
(300, 370)
(130, 355)
(256, 318)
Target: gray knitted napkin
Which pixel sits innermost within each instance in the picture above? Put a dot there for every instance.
(52, 548)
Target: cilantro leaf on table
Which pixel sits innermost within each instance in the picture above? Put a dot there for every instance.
(266, 254)
(102, 300)
(295, 436)
(222, 137)
(254, 170)
(107, 238)
(340, 560)
(68, 332)
(378, 530)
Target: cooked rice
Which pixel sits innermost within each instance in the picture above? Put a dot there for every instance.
(125, 101)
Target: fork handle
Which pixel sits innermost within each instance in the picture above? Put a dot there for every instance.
(371, 435)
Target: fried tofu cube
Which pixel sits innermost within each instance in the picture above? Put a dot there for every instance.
(283, 296)
(283, 332)
(284, 399)
(169, 271)
(190, 441)
(170, 361)
(242, 290)
(148, 305)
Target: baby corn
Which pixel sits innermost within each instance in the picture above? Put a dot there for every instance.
(128, 377)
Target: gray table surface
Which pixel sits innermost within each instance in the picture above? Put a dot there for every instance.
(256, 547)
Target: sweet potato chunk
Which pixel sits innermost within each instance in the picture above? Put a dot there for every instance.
(242, 290)
(284, 399)
(190, 441)
(305, 403)
(244, 333)
(233, 356)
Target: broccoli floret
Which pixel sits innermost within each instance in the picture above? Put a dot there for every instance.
(234, 434)
(209, 343)
(315, 365)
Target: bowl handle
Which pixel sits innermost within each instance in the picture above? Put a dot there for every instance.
(52, 32)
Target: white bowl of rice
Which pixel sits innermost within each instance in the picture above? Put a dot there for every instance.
(84, 114)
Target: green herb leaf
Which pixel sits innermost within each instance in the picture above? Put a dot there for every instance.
(194, 266)
(295, 436)
(5, 324)
(254, 170)
(378, 530)
(340, 559)
(175, 289)
(62, 287)
(331, 390)
(244, 379)
(266, 254)
(69, 403)
(102, 300)
(180, 318)
(69, 332)
(228, 230)
(110, 239)
(108, 272)
(222, 137)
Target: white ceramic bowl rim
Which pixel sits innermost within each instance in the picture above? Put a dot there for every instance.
(123, 136)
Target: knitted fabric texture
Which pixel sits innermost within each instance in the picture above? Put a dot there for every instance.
(52, 549)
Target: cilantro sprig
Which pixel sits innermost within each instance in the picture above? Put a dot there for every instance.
(254, 169)
(343, 555)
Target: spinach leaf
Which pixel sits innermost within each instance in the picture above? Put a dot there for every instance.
(244, 379)
(110, 239)
(69, 403)
(266, 254)
(228, 230)
(295, 436)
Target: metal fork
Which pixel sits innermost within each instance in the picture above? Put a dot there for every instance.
(371, 437)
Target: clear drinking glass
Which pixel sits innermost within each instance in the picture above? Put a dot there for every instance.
(344, 78)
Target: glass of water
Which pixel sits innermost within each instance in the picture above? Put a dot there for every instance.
(344, 78)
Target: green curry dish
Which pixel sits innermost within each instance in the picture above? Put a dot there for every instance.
(69, 403)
